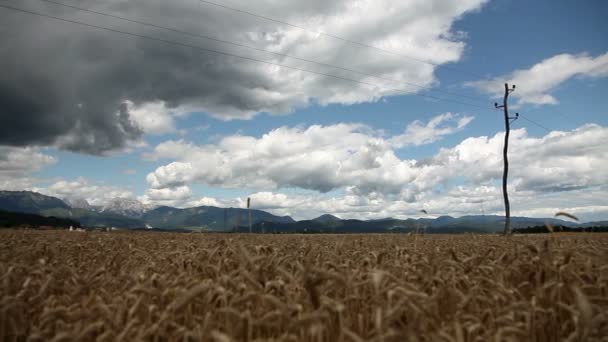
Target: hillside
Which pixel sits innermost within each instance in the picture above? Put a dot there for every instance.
(208, 217)
(29, 202)
(440, 225)
(12, 219)
(326, 218)
(131, 214)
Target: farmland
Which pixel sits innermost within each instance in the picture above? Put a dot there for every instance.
(59, 285)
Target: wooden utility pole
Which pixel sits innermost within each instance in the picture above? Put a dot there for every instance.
(505, 150)
(249, 212)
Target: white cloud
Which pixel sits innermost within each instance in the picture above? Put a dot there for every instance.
(535, 85)
(352, 205)
(152, 117)
(18, 183)
(208, 201)
(417, 133)
(557, 161)
(17, 164)
(311, 158)
(419, 29)
(557, 171)
(589, 204)
(229, 88)
(182, 197)
(174, 196)
(103, 103)
(16, 161)
(82, 188)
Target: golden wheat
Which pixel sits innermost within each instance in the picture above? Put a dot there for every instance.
(127, 286)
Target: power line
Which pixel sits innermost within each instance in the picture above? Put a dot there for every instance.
(346, 40)
(565, 117)
(535, 123)
(197, 35)
(227, 54)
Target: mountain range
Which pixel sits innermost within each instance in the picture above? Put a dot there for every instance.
(132, 214)
(122, 206)
(440, 225)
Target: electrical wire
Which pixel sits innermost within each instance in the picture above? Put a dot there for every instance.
(346, 40)
(223, 41)
(230, 54)
(535, 123)
(170, 42)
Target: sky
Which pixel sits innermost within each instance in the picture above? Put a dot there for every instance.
(359, 108)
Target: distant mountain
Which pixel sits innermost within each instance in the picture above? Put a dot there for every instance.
(492, 223)
(35, 203)
(93, 219)
(602, 228)
(208, 217)
(132, 214)
(79, 203)
(597, 224)
(13, 219)
(126, 207)
(326, 218)
(443, 220)
(28, 202)
(443, 224)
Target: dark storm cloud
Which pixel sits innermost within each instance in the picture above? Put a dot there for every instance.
(66, 85)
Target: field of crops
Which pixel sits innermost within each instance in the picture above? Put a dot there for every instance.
(67, 286)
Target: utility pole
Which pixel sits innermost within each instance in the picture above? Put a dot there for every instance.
(249, 212)
(505, 172)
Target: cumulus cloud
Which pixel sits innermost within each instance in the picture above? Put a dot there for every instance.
(312, 159)
(183, 197)
(16, 161)
(175, 196)
(17, 184)
(534, 85)
(82, 188)
(562, 170)
(17, 164)
(588, 204)
(368, 180)
(209, 201)
(353, 205)
(308, 158)
(556, 162)
(417, 133)
(97, 91)
(153, 117)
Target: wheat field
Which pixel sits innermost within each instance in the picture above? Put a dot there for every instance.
(67, 286)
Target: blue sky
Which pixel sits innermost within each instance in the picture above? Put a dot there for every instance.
(474, 45)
